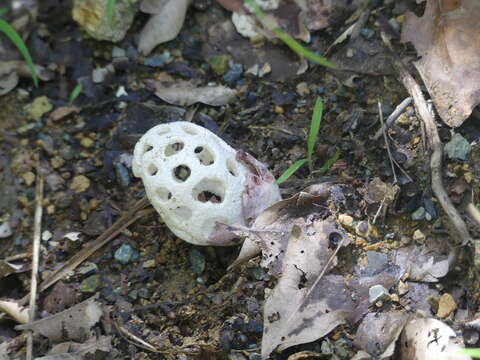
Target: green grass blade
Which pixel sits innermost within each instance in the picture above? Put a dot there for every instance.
(328, 164)
(470, 352)
(291, 170)
(301, 50)
(3, 11)
(110, 7)
(314, 128)
(288, 40)
(75, 92)
(12, 34)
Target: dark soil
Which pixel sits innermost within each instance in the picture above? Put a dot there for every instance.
(162, 294)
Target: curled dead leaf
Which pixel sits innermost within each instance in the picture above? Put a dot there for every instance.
(446, 38)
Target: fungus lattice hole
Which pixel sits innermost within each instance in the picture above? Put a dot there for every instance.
(147, 148)
(174, 148)
(190, 130)
(152, 170)
(209, 190)
(164, 194)
(204, 155)
(181, 173)
(232, 169)
(183, 212)
(334, 239)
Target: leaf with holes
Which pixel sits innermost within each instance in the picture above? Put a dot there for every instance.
(298, 239)
(297, 311)
(271, 229)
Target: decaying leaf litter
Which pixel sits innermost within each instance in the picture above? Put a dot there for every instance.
(349, 264)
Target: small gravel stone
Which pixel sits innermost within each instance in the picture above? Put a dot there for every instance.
(90, 284)
(264, 70)
(80, 183)
(361, 355)
(57, 162)
(302, 89)
(143, 293)
(149, 264)
(125, 254)
(402, 288)
(122, 175)
(458, 148)
(197, 261)
(133, 294)
(29, 178)
(38, 107)
(118, 52)
(346, 221)
(219, 63)
(377, 293)
(5, 230)
(159, 60)
(419, 214)
(257, 273)
(233, 75)
(46, 235)
(99, 75)
(86, 142)
(418, 236)
(446, 306)
(367, 33)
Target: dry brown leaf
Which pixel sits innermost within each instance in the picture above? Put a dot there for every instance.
(423, 264)
(297, 311)
(378, 333)
(74, 323)
(446, 38)
(184, 93)
(273, 227)
(72, 351)
(164, 25)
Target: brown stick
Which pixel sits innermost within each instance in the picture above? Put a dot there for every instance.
(125, 220)
(37, 231)
(435, 145)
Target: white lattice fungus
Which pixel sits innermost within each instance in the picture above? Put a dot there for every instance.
(191, 177)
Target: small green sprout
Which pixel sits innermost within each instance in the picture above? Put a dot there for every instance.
(110, 7)
(75, 92)
(312, 140)
(287, 39)
(15, 38)
(473, 352)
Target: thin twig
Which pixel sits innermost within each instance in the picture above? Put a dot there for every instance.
(393, 116)
(124, 221)
(435, 145)
(272, 128)
(135, 340)
(395, 180)
(379, 209)
(37, 230)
